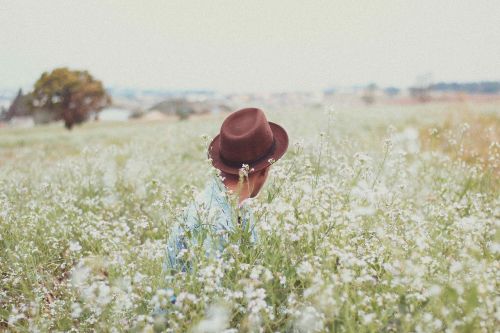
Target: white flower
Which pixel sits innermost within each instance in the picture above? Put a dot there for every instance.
(495, 247)
(282, 280)
(74, 246)
(309, 320)
(368, 318)
(304, 268)
(76, 310)
(80, 275)
(215, 321)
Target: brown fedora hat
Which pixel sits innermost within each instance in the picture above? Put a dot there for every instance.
(246, 137)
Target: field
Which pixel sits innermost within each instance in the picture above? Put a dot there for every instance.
(378, 219)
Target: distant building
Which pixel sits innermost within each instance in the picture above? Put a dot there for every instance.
(19, 107)
(20, 113)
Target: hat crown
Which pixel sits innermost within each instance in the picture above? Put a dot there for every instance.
(245, 136)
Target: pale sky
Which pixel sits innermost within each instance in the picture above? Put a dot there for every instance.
(251, 45)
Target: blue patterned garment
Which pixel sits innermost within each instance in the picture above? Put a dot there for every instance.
(209, 220)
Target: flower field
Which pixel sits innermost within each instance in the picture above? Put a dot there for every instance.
(379, 219)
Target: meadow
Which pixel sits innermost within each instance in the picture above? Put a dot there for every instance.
(378, 219)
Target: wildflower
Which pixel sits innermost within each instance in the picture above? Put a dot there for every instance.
(74, 246)
(215, 321)
(309, 320)
(76, 310)
(368, 318)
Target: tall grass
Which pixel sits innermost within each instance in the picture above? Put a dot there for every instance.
(363, 227)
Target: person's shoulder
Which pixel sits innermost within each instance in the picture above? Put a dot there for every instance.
(213, 194)
(215, 188)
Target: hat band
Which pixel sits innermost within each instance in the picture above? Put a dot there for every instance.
(258, 160)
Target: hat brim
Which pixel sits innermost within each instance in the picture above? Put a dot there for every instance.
(281, 146)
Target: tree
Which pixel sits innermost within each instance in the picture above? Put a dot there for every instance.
(369, 94)
(69, 95)
(183, 112)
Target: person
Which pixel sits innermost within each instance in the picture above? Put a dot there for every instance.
(243, 153)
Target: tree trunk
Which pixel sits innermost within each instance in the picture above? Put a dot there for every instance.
(67, 116)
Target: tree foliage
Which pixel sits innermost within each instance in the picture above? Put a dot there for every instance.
(70, 95)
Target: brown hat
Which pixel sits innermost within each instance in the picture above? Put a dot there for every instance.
(246, 137)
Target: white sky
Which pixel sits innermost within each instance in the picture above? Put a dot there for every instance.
(251, 45)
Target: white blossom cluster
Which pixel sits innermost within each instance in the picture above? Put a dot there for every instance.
(359, 228)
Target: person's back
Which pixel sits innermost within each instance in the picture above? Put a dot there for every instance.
(243, 152)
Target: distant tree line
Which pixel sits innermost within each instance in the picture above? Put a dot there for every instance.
(483, 87)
